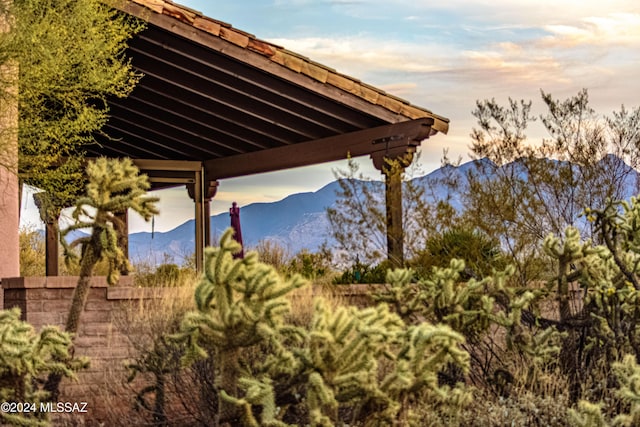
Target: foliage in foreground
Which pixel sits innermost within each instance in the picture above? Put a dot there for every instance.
(360, 366)
(25, 357)
(500, 353)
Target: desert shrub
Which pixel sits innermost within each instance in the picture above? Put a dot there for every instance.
(311, 265)
(160, 390)
(164, 275)
(363, 273)
(32, 252)
(481, 254)
(274, 254)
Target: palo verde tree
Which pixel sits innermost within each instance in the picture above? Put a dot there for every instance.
(114, 186)
(70, 59)
(521, 190)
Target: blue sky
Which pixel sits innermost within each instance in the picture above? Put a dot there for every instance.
(439, 55)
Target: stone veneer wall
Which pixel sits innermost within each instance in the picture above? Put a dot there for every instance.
(46, 301)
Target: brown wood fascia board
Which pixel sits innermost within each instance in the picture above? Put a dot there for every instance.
(272, 58)
(359, 143)
(168, 165)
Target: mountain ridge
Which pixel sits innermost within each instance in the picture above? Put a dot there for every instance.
(298, 221)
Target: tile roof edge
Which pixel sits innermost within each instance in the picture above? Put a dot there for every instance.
(294, 61)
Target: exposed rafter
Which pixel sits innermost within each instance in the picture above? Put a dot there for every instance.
(358, 143)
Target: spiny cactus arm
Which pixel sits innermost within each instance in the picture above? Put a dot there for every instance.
(294, 282)
(248, 419)
(275, 310)
(587, 415)
(545, 346)
(51, 346)
(320, 398)
(20, 420)
(627, 372)
(15, 343)
(80, 210)
(258, 392)
(430, 347)
(405, 297)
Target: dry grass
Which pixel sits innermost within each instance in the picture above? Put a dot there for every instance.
(302, 302)
(144, 324)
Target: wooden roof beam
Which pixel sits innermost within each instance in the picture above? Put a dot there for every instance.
(359, 143)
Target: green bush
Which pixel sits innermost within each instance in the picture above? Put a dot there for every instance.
(482, 255)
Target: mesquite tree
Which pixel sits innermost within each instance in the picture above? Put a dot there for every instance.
(521, 190)
(70, 60)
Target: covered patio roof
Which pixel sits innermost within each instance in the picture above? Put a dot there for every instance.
(215, 102)
(241, 105)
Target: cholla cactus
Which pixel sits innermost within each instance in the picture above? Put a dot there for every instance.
(24, 357)
(609, 276)
(476, 309)
(587, 415)
(240, 303)
(628, 374)
(114, 185)
(363, 360)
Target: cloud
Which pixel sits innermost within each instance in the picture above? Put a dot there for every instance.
(615, 29)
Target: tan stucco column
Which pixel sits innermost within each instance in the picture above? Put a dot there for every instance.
(9, 188)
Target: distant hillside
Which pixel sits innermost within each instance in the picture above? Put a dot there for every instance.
(295, 222)
(299, 221)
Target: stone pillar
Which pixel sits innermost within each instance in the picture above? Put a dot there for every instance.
(392, 164)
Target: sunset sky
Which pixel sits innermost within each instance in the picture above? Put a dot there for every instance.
(439, 55)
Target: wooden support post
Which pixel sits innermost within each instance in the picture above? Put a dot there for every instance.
(50, 215)
(392, 164)
(395, 231)
(210, 191)
(199, 217)
(52, 252)
(202, 196)
(122, 230)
